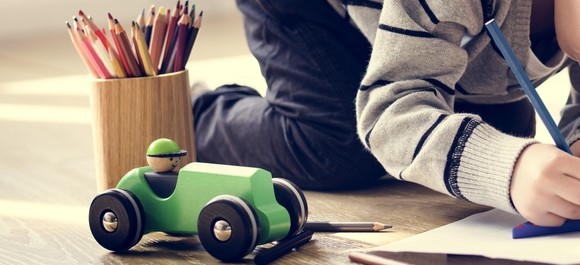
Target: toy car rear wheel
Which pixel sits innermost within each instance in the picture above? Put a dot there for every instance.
(116, 219)
(291, 197)
(228, 228)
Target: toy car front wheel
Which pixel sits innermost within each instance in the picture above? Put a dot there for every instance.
(291, 197)
(228, 228)
(116, 219)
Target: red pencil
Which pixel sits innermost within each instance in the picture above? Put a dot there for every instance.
(95, 28)
(81, 51)
(93, 56)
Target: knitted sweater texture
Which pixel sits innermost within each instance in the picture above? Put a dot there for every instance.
(428, 54)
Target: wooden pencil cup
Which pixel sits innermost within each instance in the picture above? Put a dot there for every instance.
(130, 113)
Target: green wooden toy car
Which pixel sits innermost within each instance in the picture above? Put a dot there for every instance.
(231, 208)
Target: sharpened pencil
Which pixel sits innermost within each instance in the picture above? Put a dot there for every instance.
(193, 31)
(81, 51)
(125, 46)
(95, 28)
(93, 56)
(121, 55)
(142, 51)
(158, 36)
(169, 37)
(182, 34)
(346, 226)
(369, 259)
(148, 28)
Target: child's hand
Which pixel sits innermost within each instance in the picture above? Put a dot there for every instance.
(545, 185)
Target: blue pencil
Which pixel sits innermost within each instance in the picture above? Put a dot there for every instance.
(528, 229)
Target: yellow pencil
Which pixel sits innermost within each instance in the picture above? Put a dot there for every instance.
(142, 51)
(117, 67)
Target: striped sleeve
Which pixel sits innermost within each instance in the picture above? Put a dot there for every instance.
(405, 104)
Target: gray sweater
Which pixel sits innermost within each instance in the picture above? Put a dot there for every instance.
(423, 52)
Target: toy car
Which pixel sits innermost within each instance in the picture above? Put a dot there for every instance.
(231, 208)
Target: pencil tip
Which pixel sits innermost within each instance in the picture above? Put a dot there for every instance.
(81, 13)
(75, 19)
(110, 16)
(201, 13)
(67, 24)
(116, 21)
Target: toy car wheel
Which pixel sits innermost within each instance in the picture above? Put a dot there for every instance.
(116, 219)
(291, 197)
(228, 228)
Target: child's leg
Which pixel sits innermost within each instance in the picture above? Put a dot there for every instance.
(304, 128)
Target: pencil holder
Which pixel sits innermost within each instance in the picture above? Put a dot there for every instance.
(130, 113)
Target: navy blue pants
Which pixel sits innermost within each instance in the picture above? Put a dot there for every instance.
(304, 128)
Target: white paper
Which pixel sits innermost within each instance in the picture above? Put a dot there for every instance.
(489, 234)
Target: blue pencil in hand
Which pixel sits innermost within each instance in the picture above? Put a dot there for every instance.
(528, 229)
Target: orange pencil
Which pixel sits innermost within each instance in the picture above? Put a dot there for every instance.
(142, 51)
(93, 56)
(80, 50)
(126, 48)
(157, 37)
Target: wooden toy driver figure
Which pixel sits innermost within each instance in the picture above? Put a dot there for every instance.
(163, 155)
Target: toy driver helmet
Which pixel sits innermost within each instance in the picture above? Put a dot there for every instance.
(164, 147)
(163, 155)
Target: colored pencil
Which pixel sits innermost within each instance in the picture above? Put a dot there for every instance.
(194, 29)
(117, 67)
(142, 51)
(149, 26)
(126, 48)
(120, 53)
(159, 43)
(346, 226)
(169, 37)
(529, 229)
(141, 18)
(95, 28)
(158, 36)
(100, 50)
(183, 30)
(93, 57)
(80, 50)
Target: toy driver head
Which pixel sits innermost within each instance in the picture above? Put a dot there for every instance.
(163, 155)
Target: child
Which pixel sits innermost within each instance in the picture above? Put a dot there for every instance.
(437, 104)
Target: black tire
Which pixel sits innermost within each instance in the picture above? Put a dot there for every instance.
(241, 219)
(129, 219)
(291, 197)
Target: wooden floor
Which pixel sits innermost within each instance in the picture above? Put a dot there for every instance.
(47, 178)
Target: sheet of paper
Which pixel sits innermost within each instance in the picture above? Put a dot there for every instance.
(489, 234)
